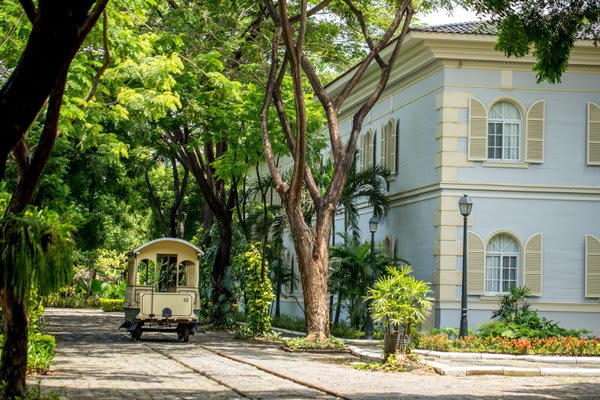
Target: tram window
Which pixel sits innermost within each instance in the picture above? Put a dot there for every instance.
(167, 277)
(145, 273)
(182, 274)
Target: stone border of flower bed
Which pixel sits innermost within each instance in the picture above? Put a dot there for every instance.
(496, 356)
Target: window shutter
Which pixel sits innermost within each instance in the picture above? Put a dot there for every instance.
(477, 130)
(592, 266)
(593, 136)
(475, 264)
(393, 145)
(532, 267)
(363, 152)
(372, 141)
(535, 133)
(384, 150)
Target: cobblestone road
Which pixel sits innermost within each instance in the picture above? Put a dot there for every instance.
(94, 361)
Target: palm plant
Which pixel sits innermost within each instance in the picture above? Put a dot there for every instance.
(351, 272)
(369, 184)
(400, 300)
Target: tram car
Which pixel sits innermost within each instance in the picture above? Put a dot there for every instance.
(162, 288)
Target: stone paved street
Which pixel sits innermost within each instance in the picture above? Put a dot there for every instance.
(94, 361)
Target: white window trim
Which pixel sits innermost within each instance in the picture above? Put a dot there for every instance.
(519, 272)
(520, 124)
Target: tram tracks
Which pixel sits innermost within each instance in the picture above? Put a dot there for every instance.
(167, 352)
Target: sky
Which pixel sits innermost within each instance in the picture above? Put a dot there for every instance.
(444, 17)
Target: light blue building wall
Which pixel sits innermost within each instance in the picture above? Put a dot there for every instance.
(558, 198)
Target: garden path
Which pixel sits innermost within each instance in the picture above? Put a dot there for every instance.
(95, 361)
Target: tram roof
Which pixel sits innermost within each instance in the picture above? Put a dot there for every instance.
(166, 239)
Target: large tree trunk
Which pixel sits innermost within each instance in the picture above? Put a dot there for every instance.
(312, 250)
(13, 363)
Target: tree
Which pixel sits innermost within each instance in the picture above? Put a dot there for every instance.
(368, 184)
(58, 30)
(289, 40)
(550, 26)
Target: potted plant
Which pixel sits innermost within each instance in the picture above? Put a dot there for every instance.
(400, 301)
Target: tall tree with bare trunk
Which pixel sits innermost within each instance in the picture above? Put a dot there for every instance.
(288, 56)
(58, 31)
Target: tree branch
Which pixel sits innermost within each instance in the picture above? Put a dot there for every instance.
(156, 203)
(365, 32)
(30, 10)
(311, 12)
(106, 63)
(280, 186)
(362, 67)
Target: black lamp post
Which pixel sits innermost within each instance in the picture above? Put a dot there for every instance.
(373, 222)
(465, 204)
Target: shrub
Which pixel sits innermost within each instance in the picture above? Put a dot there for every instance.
(569, 345)
(515, 319)
(399, 300)
(40, 352)
(258, 289)
(56, 300)
(302, 343)
(291, 323)
(111, 304)
(344, 331)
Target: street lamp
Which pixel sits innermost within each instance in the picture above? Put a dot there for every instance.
(373, 222)
(465, 204)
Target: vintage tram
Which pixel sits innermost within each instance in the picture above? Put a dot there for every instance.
(162, 288)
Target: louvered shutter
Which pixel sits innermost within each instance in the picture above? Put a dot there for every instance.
(535, 133)
(384, 153)
(475, 264)
(393, 145)
(363, 152)
(592, 266)
(477, 130)
(372, 141)
(593, 138)
(532, 266)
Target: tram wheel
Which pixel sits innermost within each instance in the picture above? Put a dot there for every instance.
(136, 334)
(183, 332)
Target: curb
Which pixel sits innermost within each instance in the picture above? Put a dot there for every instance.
(491, 356)
(444, 369)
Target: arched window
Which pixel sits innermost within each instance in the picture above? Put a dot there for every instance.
(187, 274)
(145, 273)
(367, 150)
(501, 264)
(504, 132)
(389, 246)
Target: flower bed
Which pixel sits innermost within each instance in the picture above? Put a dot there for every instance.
(569, 345)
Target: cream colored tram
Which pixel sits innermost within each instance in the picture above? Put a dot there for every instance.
(162, 288)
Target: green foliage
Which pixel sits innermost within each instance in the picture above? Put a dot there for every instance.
(400, 300)
(244, 332)
(111, 304)
(302, 343)
(546, 28)
(35, 311)
(515, 319)
(64, 299)
(40, 352)
(288, 322)
(394, 363)
(514, 306)
(258, 289)
(351, 273)
(114, 291)
(35, 249)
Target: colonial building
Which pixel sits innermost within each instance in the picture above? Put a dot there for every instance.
(460, 117)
